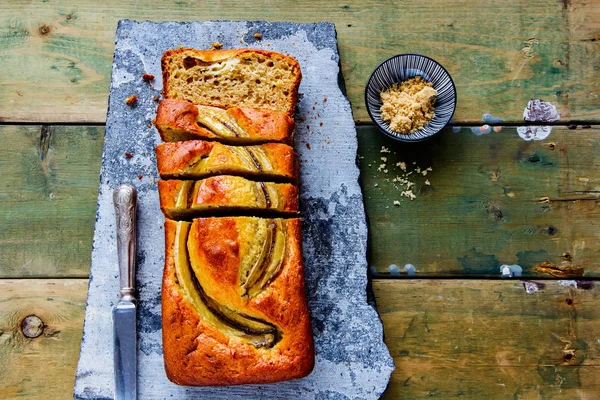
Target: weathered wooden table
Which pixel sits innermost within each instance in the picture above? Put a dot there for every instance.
(492, 198)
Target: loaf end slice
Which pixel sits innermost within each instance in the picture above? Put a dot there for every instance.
(228, 78)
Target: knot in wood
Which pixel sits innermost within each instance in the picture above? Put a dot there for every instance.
(32, 326)
(569, 301)
(569, 355)
(44, 30)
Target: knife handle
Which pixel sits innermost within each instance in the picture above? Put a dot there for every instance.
(125, 199)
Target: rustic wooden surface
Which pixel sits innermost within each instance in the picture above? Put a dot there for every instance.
(494, 199)
(450, 339)
(490, 339)
(500, 56)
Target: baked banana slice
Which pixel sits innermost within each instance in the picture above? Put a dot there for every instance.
(225, 193)
(179, 120)
(197, 159)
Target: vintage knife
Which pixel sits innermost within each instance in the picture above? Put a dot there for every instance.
(124, 314)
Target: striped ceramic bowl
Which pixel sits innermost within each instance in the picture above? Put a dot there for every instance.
(403, 67)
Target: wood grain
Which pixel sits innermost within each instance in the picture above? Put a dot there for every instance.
(490, 339)
(493, 199)
(48, 190)
(42, 367)
(450, 339)
(56, 58)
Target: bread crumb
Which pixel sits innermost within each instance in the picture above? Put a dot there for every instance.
(384, 150)
(375, 185)
(427, 182)
(258, 36)
(418, 170)
(324, 99)
(308, 146)
(320, 124)
(396, 203)
(424, 172)
(128, 155)
(155, 98)
(402, 165)
(381, 167)
(408, 194)
(140, 176)
(131, 99)
(147, 77)
(384, 159)
(149, 125)
(217, 45)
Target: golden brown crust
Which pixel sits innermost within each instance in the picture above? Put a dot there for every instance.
(266, 124)
(184, 199)
(198, 159)
(210, 56)
(195, 351)
(177, 120)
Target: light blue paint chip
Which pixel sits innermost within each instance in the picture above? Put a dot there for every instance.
(394, 269)
(478, 132)
(508, 271)
(410, 269)
(373, 269)
(456, 129)
(490, 119)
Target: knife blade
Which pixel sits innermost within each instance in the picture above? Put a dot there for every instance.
(125, 312)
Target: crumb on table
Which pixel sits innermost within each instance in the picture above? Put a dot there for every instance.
(258, 36)
(131, 99)
(217, 45)
(147, 77)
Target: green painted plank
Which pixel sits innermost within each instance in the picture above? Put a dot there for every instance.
(500, 56)
(459, 339)
(493, 199)
(48, 190)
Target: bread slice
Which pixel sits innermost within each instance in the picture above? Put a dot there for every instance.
(229, 78)
(234, 307)
(225, 193)
(179, 120)
(197, 159)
